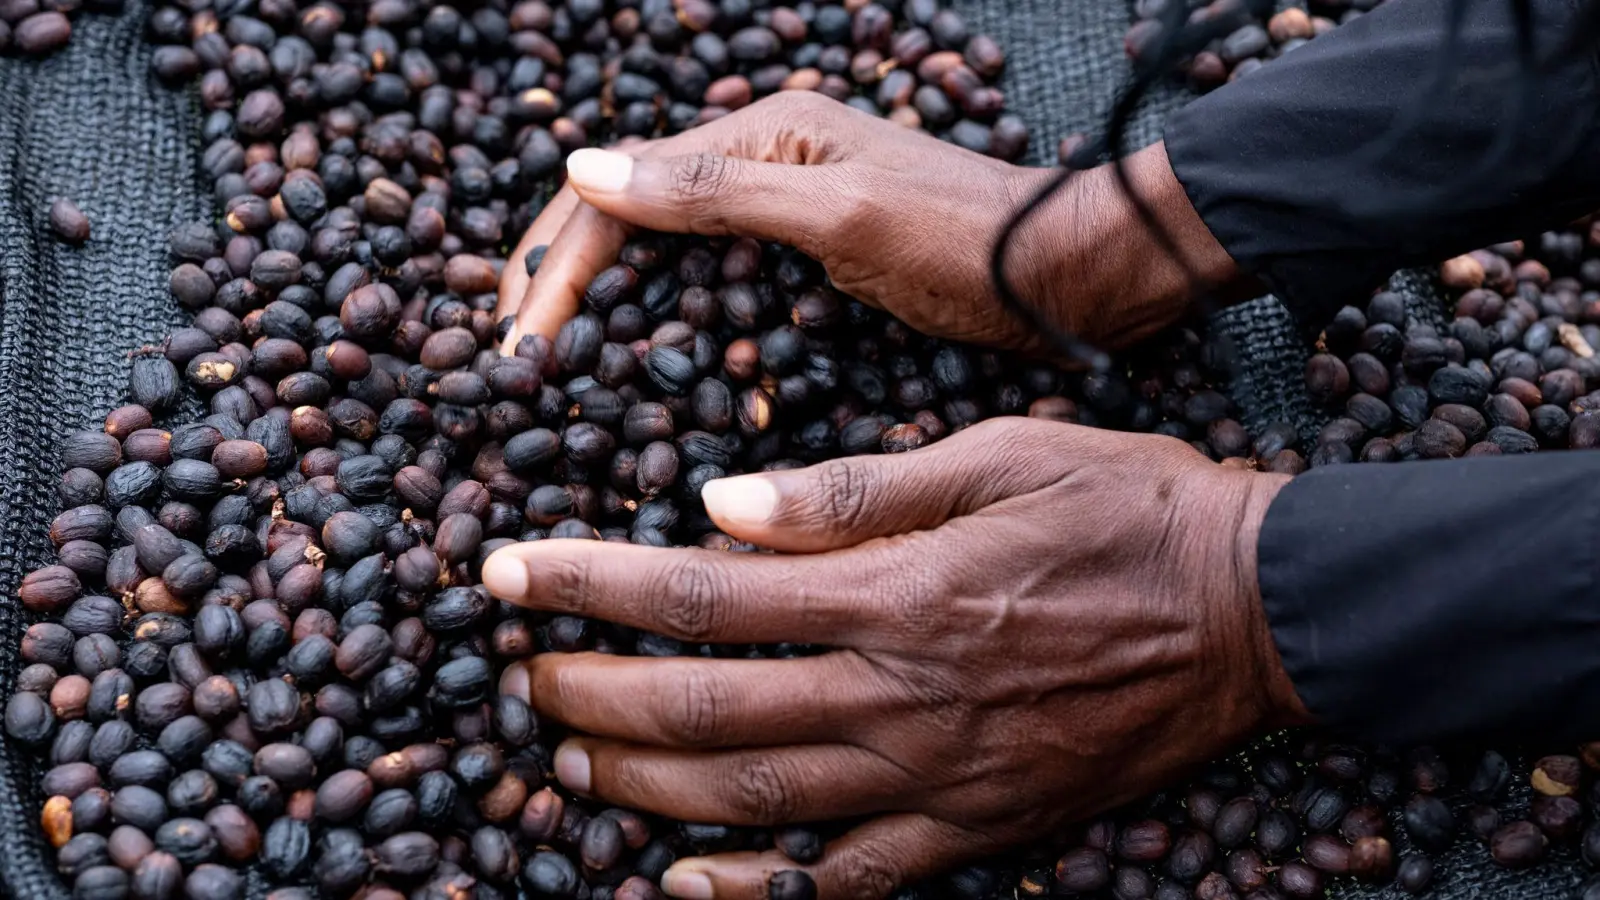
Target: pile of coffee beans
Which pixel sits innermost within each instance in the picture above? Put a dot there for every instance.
(1514, 372)
(1250, 34)
(264, 644)
(1292, 823)
(522, 85)
(41, 27)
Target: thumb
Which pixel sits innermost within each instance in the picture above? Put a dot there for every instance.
(709, 193)
(843, 502)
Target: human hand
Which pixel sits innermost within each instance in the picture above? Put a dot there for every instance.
(899, 219)
(1032, 622)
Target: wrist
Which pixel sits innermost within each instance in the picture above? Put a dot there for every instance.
(1281, 705)
(1092, 266)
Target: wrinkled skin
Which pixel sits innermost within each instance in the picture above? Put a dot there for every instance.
(900, 220)
(1031, 622)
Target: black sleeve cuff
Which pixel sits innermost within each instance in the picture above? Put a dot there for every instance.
(1273, 163)
(1416, 602)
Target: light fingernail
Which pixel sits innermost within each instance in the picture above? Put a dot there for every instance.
(505, 576)
(515, 682)
(572, 767)
(686, 884)
(742, 501)
(600, 170)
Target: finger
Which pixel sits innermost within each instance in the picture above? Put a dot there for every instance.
(714, 194)
(514, 281)
(868, 863)
(588, 242)
(694, 595)
(843, 502)
(683, 702)
(739, 787)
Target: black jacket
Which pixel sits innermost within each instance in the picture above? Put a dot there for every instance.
(1415, 601)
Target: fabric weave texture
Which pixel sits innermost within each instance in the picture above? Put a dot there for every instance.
(90, 124)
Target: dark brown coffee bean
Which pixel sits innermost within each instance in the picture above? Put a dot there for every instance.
(158, 876)
(48, 589)
(1518, 845)
(1560, 818)
(1372, 859)
(1299, 881)
(68, 221)
(1327, 853)
(1083, 870)
(363, 651)
(42, 33)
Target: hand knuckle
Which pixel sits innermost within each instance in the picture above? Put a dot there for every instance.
(868, 873)
(692, 607)
(934, 689)
(862, 199)
(781, 102)
(567, 579)
(793, 103)
(923, 594)
(763, 791)
(991, 431)
(810, 100)
(1013, 443)
(841, 492)
(696, 710)
(699, 177)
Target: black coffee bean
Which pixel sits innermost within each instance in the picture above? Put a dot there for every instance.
(549, 874)
(286, 848)
(1429, 822)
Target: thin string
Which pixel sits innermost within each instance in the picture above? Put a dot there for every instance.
(1177, 40)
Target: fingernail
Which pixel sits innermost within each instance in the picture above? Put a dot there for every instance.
(743, 501)
(572, 768)
(686, 884)
(505, 576)
(600, 170)
(515, 682)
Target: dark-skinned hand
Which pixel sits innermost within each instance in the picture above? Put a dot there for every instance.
(900, 220)
(1030, 622)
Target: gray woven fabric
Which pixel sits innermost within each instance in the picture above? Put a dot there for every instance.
(1064, 65)
(86, 124)
(89, 124)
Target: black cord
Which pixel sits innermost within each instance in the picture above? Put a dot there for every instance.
(1175, 42)
(1178, 40)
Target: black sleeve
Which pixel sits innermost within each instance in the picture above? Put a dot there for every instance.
(1274, 162)
(1416, 602)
